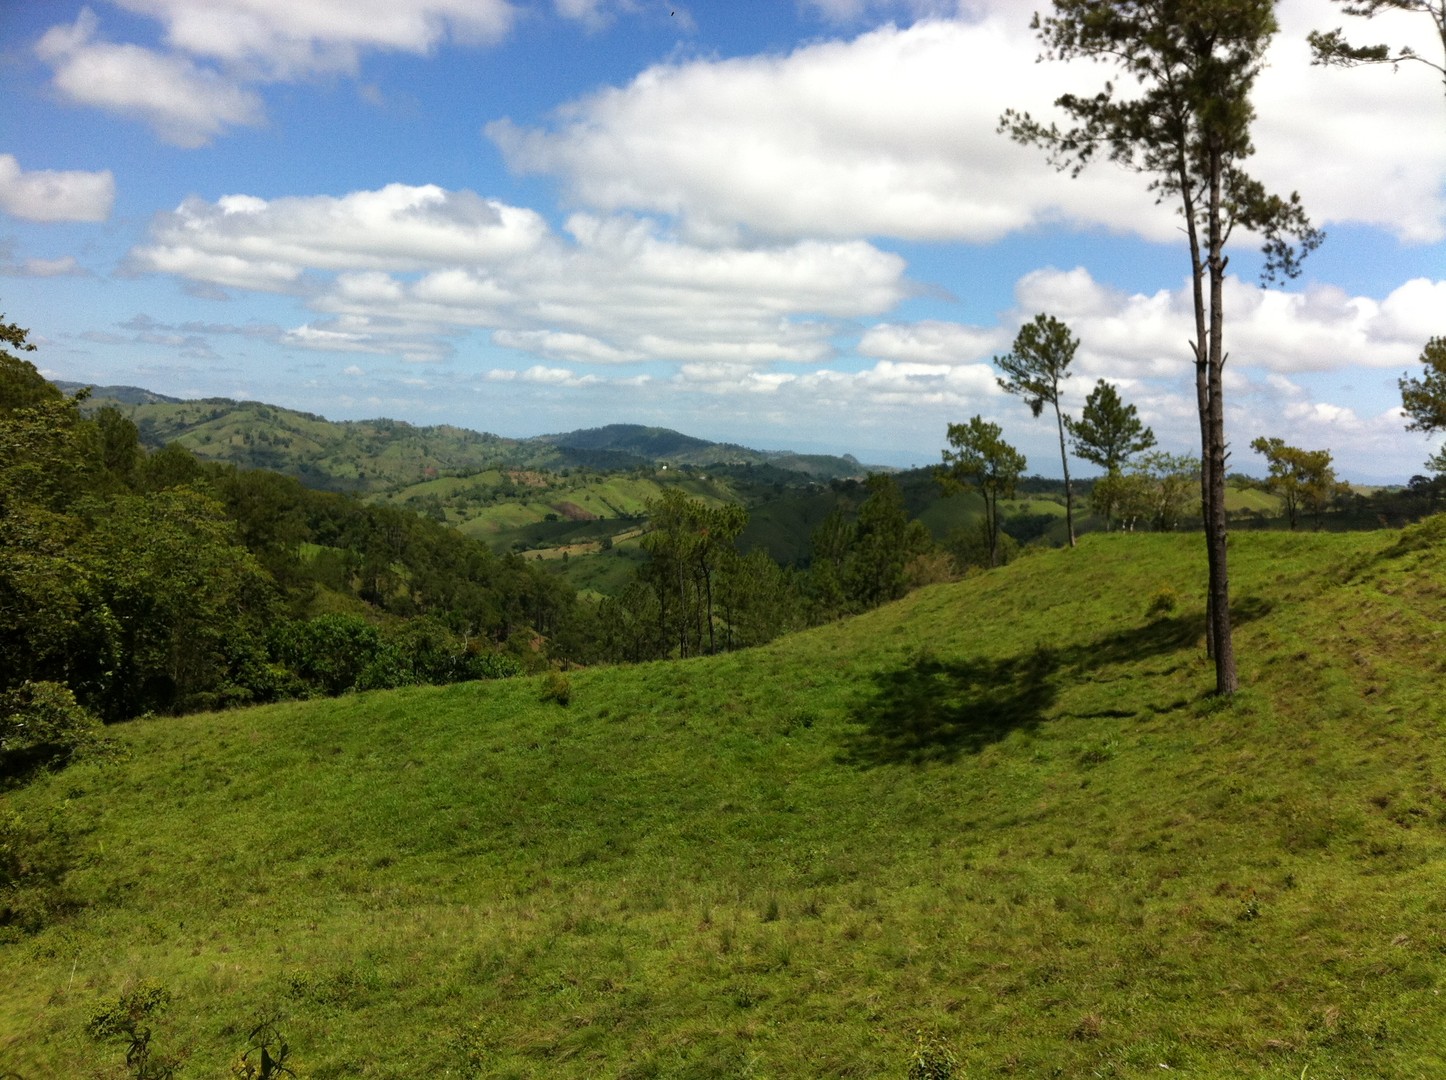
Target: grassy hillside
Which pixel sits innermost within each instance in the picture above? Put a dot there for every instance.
(361, 455)
(1002, 813)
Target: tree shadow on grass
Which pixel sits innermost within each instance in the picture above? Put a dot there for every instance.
(934, 710)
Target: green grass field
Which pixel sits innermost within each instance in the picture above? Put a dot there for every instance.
(1004, 813)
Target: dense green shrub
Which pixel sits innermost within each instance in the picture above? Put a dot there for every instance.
(328, 653)
(42, 724)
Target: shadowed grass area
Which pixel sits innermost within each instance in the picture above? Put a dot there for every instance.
(1005, 812)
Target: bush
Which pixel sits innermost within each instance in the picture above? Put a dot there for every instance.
(555, 687)
(42, 724)
(932, 1059)
(129, 1019)
(329, 652)
(1163, 602)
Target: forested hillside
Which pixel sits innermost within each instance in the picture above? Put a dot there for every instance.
(152, 581)
(376, 455)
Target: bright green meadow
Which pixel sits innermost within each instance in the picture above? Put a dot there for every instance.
(1001, 817)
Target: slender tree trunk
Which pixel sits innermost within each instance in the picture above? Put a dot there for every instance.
(1200, 347)
(991, 522)
(1064, 460)
(1226, 679)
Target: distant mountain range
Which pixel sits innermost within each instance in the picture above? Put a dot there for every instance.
(381, 454)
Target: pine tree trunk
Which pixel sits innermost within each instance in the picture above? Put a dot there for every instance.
(1226, 678)
(1064, 460)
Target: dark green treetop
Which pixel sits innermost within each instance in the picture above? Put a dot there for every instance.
(1108, 432)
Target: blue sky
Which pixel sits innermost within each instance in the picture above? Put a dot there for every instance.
(791, 225)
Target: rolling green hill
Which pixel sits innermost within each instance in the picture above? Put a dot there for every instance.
(1000, 817)
(384, 455)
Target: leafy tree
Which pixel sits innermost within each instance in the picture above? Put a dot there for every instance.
(1424, 399)
(1108, 432)
(1154, 490)
(1039, 362)
(120, 446)
(688, 540)
(190, 603)
(982, 459)
(1301, 478)
(1331, 48)
(884, 542)
(1187, 126)
(40, 723)
(829, 546)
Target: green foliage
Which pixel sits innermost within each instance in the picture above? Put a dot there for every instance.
(1108, 432)
(37, 852)
(41, 724)
(1039, 362)
(969, 547)
(1164, 602)
(932, 1059)
(555, 687)
(129, 1020)
(882, 544)
(1303, 479)
(1155, 492)
(1424, 398)
(191, 604)
(980, 457)
(265, 1055)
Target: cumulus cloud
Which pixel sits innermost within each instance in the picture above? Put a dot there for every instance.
(545, 376)
(894, 133)
(65, 266)
(891, 133)
(931, 341)
(611, 290)
(286, 39)
(186, 104)
(52, 195)
(217, 51)
(246, 242)
(1313, 330)
(1366, 145)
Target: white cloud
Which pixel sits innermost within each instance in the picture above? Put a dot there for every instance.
(1366, 145)
(931, 341)
(185, 104)
(242, 43)
(615, 290)
(1139, 335)
(286, 39)
(247, 242)
(65, 266)
(52, 195)
(894, 133)
(544, 376)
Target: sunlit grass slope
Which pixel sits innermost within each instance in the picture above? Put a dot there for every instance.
(1005, 813)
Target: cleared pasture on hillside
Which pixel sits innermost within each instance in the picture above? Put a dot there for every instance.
(1002, 812)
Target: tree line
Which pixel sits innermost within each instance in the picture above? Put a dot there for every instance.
(150, 582)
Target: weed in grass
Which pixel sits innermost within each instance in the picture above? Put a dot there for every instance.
(555, 687)
(265, 1055)
(1164, 602)
(129, 1019)
(932, 1058)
